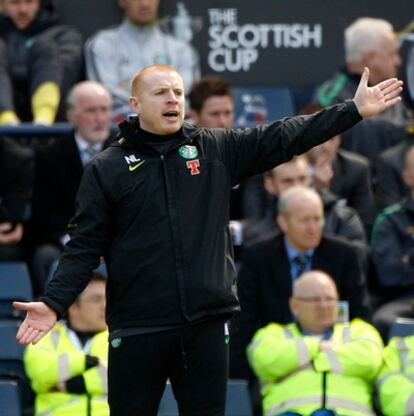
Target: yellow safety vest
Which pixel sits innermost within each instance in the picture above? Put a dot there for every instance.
(395, 383)
(291, 368)
(60, 356)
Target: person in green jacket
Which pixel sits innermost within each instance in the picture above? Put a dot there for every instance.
(316, 365)
(68, 367)
(395, 383)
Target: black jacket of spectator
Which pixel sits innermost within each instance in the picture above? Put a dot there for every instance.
(58, 174)
(352, 182)
(16, 180)
(393, 249)
(391, 187)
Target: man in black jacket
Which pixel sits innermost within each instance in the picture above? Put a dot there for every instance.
(40, 59)
(155, 205)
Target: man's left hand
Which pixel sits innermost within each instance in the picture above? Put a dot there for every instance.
(373, 100)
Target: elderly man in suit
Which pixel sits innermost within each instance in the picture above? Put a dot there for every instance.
(271, 265)
(59, 168)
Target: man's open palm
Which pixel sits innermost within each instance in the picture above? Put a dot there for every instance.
(373, 100)
(39, 320)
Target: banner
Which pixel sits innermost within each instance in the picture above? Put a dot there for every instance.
(274, 42)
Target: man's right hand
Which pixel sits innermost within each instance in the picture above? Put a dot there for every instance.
(39, 320)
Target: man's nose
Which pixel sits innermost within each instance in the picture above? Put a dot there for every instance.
(172, 97)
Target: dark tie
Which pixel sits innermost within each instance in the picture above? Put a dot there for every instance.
(301, 262)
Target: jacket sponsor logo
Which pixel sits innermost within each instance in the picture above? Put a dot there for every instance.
(134, 167)
(116, 342)
(133, 162)
(188, 152)
(193, 165)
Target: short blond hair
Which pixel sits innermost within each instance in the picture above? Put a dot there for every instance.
(137, 78)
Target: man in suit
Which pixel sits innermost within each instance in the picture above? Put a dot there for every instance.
(271, 265)
(59, 168)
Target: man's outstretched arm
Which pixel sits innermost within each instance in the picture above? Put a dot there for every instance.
(39, 320)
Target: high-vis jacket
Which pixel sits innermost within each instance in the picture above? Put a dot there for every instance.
(161, 220)
(296, 376)
(59, 357)
(395, 383)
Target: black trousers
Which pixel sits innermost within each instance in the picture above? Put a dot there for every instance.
(194, 358)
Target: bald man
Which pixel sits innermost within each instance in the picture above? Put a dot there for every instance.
(316, 363)
(156, 205)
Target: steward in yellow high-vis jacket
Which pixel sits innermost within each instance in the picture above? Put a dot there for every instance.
(316, 363)
(395, 383)
(68, 367)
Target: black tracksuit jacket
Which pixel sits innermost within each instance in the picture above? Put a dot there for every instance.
(161, 221)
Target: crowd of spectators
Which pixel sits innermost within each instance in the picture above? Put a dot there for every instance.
(344, 208)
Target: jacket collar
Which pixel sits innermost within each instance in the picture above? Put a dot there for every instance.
(129, 131)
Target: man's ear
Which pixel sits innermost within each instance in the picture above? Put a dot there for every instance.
(407, 178)
(281, 220)
(293, 305)
(368, 58)
(135, 104)
(70, 116)
(269, 185)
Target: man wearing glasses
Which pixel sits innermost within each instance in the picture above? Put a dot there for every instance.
(316, 366)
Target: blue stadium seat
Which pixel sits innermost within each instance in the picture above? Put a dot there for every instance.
(258, 105)
(237, 401)
(402, 327)
(11, 360)
(15, 284)
(10, 398)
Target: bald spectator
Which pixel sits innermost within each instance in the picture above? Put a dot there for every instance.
(40, 59)
(114, 55)
(317, 365)
(372, 43)
(271, 265)
(59, 169)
